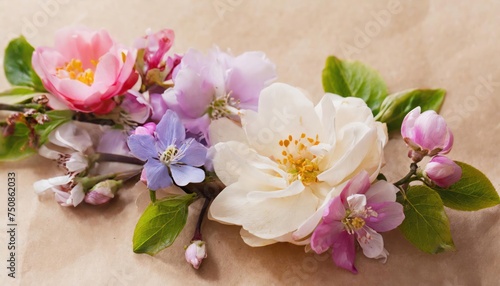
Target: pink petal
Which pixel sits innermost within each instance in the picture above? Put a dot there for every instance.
(381, 191)
(390, 215)
(335, 211)
(409, 122)
(371, 242)
(324, 235)
(359, 184)
(344, 251)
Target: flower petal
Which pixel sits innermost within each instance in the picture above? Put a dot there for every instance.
(157, 175)
(357, 185)
(325, 234)
(185, 174)
(142, 146)
(344, 251)
(381, 191)
(44, 185)
(371, 242)
(195, 154)
(170, 129)
(389, 216)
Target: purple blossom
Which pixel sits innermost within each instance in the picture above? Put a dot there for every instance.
(360, 211)
(169, 154)
(217, 85)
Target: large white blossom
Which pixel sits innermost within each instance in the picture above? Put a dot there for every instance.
(289, 159)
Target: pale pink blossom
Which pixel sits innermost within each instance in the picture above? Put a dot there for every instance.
(427, 134)
(195, 253)
(443, 171)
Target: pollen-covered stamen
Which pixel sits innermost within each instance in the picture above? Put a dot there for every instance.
(74, 70)
(169, 155)
(223, 106)
(298, 160)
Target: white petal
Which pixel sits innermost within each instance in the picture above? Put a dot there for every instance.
(49, 153)
(77, 162)
(295, 188)
(224, 129)
(266, 219)
(43, 185)
(77, 195)
(71, 136)
(356, 202)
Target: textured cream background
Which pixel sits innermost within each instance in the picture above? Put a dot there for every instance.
(447, 44)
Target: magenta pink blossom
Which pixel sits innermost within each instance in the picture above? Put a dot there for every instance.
(443, 171)
(360, 212)
(85, 70)
(426, 134)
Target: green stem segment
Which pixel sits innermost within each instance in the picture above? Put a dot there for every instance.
(409, 177)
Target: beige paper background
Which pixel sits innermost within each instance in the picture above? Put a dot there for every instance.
(428, 44)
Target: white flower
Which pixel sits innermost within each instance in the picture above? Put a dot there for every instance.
(75, 142)
(289, 159)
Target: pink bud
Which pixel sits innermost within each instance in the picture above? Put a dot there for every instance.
(443, 171)
(155, 48)
(195, 253)
(136, 106)
(426, 134)
(102, 192)
(147, 129)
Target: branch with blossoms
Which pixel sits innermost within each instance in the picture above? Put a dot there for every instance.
(216, 128)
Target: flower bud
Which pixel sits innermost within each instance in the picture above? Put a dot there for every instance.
(136, 107)
(155, 47)
(443, 171)
(102, 192)
(195, 253)
(147, 129)
(426, 134)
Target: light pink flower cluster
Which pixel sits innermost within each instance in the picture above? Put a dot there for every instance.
(427, 134)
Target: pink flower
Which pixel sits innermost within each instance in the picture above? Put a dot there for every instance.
(426, 134)
(443, 171)
(360, 212)
(135, 107)
(102, 192)
(195, 253)
(155, 56)
(147, 129)
(85, 70)
(209, 87)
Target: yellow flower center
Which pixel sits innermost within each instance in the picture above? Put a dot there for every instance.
(297, 160)
(74, 70)
(353, 223)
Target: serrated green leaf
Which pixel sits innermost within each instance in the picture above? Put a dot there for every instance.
(348, 78)
(57, 118)
(15, 146)
(395, 106)
(161, 223)
(473, 192)
(426, 224)
(17, 65)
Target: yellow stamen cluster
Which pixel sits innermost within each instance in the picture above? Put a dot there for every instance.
(297, 160)
(353, 223)
(74, 70)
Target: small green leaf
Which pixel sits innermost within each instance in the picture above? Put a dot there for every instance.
(161, 223)
(57, 118)
(426, 224)
(473, 192)
(17, 65)
(347, 78)
(17, 95)
(395, 106)
(15, 146)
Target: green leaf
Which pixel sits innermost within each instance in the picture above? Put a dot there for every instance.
(57, 118)
(473, 192)
(17, 64)
(15, 146)
(17, 95)
(161, 223)
(395, 106)
(426, 224)
(348, 78)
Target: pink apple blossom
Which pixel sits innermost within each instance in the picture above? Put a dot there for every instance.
(360, 212)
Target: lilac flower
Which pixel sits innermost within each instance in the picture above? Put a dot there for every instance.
(169, 154)
(443, 171)
(217, 85)
(426, 134)
(360, 212)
